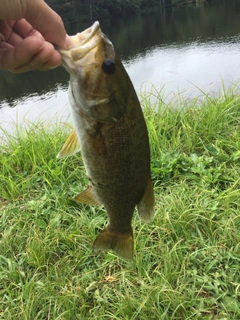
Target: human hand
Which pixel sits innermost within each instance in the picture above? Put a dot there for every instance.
(28, 30)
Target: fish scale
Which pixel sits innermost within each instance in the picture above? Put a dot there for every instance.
(112, 134)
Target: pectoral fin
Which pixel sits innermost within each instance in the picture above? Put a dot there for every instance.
(146, 205)
(70, 147)
(87, 197)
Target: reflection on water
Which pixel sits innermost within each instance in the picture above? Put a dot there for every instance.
(183, 49)
(35, 85)
(188, 69)
(31, 110)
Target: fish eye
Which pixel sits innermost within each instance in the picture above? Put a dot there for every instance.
(108, 66)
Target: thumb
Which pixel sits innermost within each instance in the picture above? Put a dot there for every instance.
(47, 22)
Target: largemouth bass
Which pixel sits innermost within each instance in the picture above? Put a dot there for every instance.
(111, 131)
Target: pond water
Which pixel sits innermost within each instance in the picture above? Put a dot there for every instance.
(179, 50)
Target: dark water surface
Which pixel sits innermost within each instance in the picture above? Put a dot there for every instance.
(180, 49)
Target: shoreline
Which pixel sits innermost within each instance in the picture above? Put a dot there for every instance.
(186, 262)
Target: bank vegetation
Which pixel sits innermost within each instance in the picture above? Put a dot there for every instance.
(186, 263)
(89, 10)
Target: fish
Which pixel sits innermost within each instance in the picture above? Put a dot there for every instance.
(110, 131)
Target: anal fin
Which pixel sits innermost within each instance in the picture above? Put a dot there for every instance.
(70, 147)
(87, 197)
(121, 244)
(146, 205)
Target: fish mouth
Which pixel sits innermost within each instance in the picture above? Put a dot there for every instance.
(89, 33)
(83, 42)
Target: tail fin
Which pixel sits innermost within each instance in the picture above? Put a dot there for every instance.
(121, 244)
(146, 205)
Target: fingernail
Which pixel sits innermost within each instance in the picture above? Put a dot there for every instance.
(68, 42)
(54, 67)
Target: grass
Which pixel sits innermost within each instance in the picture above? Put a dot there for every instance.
(186, 263)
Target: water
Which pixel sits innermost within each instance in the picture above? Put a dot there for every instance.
(182, 49)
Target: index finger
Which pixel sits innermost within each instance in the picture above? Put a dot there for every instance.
(25, 29)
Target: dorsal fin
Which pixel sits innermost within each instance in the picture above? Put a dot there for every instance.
(87, 197)
(70, 147)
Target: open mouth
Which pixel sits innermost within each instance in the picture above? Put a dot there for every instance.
(89, 33)
(83, 42)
